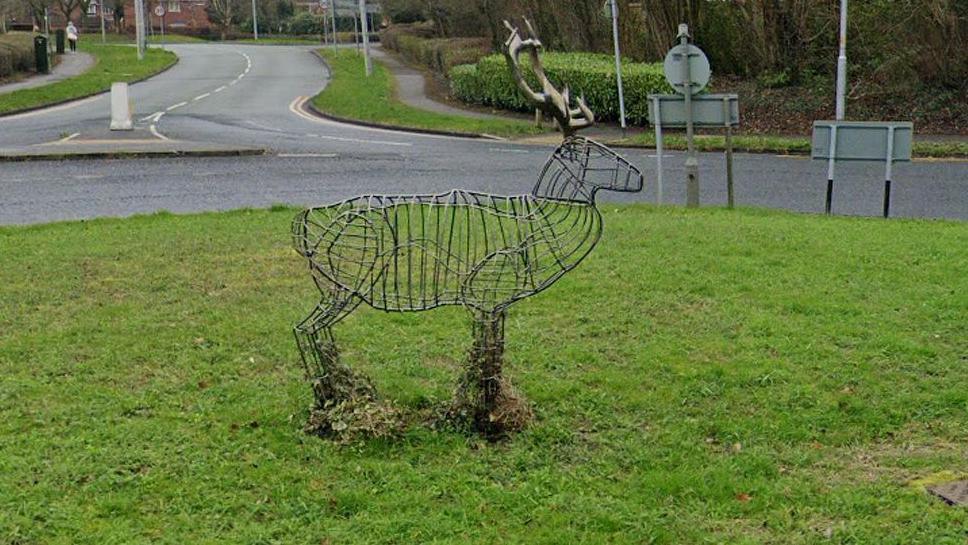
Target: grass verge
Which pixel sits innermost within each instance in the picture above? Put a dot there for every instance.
(780, 144)
(112, 63)
(704, 377)
(350, 95)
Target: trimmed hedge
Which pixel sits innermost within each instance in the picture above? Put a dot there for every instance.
(489, 83)
(414, 43)
(16, 53)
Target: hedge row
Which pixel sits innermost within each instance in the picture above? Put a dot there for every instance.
(489, 83)
(16, 53)
(438, 54)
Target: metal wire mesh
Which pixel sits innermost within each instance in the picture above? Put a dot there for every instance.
(483, 251)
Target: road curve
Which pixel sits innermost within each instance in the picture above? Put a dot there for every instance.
(247, 95)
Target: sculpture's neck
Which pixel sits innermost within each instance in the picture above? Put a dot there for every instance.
(563, 188)
(570, 228)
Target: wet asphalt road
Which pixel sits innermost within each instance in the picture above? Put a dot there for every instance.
(247, 95)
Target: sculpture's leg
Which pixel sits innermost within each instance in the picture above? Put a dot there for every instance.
(484, 396)
(331, 380)
(487, 355)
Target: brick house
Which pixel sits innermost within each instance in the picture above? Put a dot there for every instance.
(185, 15)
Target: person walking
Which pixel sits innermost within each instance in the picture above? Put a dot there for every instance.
(72, 36)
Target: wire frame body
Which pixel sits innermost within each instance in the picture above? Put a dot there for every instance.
(483, 251)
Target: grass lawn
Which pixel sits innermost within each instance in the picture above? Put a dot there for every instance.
(780, 144)
(704, 377)
(350, 95)
(113, 63)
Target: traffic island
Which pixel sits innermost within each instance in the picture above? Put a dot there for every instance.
(138, 143)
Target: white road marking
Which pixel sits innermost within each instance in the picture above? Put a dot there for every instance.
(264, 127)
(295, 107)
(88, 176)
(306, 155)
(69, 137)
(219, 90)
(158, 135)
(174, 106)
(510, 150)
(153, 117)
(201, 96)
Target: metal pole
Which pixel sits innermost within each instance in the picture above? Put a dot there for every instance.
(332, 19)
(830, 169)
(47, 35)
(618, 65)
(842, 63)
(255, 22)
(104, 38)
(658, 149)
(356, 33)
(692, 162)
(139, 25)
(729, 153)
(162, 31)
(888, 171)
(366, 38)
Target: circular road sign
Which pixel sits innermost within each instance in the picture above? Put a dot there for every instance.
(698, 68)
(160, 10)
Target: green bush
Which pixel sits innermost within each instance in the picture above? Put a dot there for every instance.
(306, 23)
(489, 82)
(16, 53)
(415, 44)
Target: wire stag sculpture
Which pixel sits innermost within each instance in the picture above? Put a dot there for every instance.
(484, 252)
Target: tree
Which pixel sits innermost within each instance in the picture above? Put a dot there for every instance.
(220, 12)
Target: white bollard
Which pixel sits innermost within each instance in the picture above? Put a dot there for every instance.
(120, 108)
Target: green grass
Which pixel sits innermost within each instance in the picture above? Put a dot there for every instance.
(153, 40)
(113, 63)
(279, 40)
(351, 95)
(780, 144)
(704, 377)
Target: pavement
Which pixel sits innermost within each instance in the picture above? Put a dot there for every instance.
(70, 65)
(412, 87)
(249, 96)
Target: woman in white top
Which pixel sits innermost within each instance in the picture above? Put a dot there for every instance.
(72, 36)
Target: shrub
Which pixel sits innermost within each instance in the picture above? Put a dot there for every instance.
(414, 43)
(16, 53)
(489, 82)
(306, 23)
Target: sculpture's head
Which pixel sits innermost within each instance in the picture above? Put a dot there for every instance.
(580, 167)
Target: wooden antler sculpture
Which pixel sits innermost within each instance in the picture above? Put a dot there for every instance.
(553, 103)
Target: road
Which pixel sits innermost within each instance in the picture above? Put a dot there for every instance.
(249, 95)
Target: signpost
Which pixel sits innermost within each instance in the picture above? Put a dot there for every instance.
(708, 111)
(862, 141)
(618, 64)
(842, 63)
(160, 12)
(687, 70)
